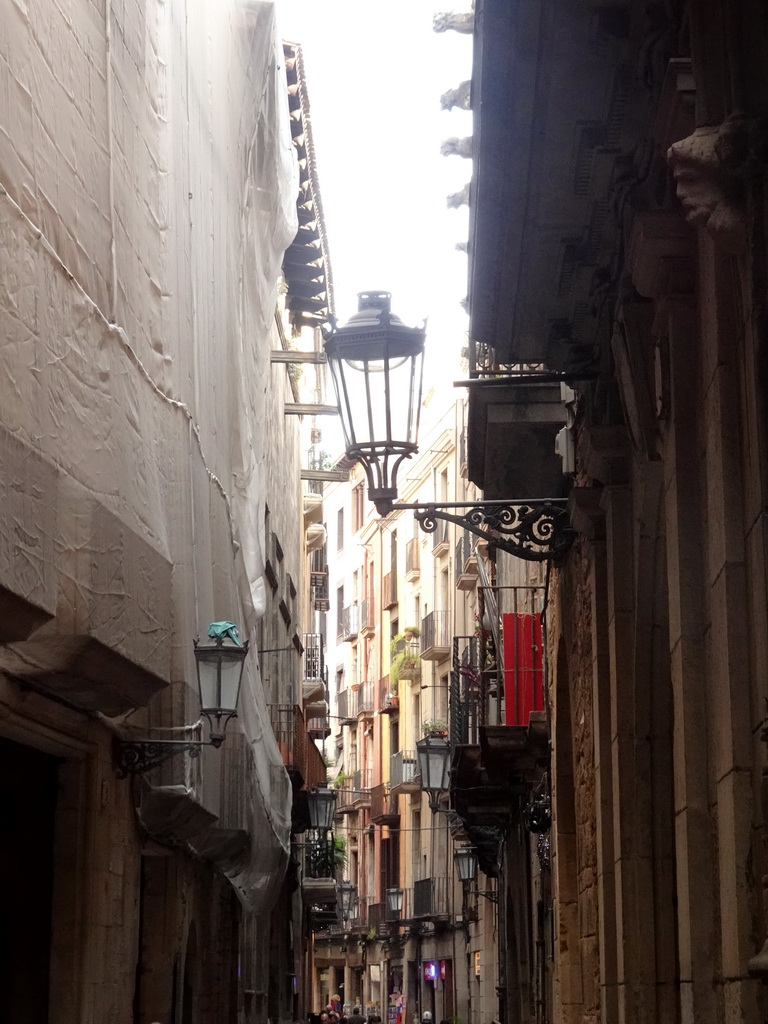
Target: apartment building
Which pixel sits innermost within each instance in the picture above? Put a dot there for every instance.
(408, 662)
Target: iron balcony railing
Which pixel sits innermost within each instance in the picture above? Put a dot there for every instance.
(491, 686)
(361, 781)
(350, 622)
(296, 747)
(440, 536)
(367, 617)
(435, 635)
(360, 916)
(377, 916)
(312, 660)
(342, 706)
(413, 556)
(431, 897)
(470, 688)
(403, 768)
(384, 806)
(363, 699)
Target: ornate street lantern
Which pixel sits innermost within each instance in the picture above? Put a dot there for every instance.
(347, 898)
(465, 859)
(395, 902)
(219, 675)
(376, 364)
(434, 755)
(322, 806)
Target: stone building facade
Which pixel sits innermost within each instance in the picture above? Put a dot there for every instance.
(618, 245)
(148, 192)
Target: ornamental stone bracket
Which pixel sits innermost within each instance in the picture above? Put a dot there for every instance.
(712, 168)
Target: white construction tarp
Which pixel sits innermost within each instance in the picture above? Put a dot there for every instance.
(147, 194)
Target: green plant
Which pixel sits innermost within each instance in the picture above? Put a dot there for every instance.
(405, 660)
(413, 630)
(434, 725)
(341, 778)
(371, 933)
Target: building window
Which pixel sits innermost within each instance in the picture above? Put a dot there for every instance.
(340, 529)
(358, 507)
(339, 610)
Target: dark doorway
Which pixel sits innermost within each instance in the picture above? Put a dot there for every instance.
(28, 788)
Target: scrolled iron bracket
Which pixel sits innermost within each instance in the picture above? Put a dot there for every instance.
(536, 531)
(136, 757)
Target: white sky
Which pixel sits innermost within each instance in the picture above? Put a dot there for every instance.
(375, 73)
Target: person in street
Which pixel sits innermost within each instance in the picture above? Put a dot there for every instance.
(356, 1017)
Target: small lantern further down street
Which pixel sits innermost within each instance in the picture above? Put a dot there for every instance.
(376, 363)
(347, 897)
(395, 902)
(465, 859)
(219, 675)
(322, 807)
(434, 755)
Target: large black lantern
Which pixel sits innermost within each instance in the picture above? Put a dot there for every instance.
(465, 859)
(376, 363)
(434, 755)
(322, 805)
(219, 675)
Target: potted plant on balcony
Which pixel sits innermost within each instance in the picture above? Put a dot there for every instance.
(435, 727)
(340, 779)
(405, 660)
(391, 699)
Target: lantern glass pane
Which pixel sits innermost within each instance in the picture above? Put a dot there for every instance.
(466, 863)
(208, 676)
(434, 763)
(322, 802)
(231, 670)
(378, 387)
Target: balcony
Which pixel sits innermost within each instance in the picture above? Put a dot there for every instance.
(413, 559)
(344, 796)
(389, 590)
(361, 916)
(406, 660)
(350, 623)
(300, 755)
(435, 636)
(404, 772)
(440, 542)
(476, 688)
(384, 806)
(466, 562)
(313, 668)
(344, 710)
(362, 702)
(367, 619)
(389, 701)
(431, 898)
(377, 919)
(361, 788)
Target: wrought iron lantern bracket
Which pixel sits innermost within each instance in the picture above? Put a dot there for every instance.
(136, 757)
(533, 530)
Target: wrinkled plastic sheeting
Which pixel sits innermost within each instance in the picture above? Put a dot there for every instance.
(147, 194)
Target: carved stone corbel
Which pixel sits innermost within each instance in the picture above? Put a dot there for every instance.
(711, 168)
